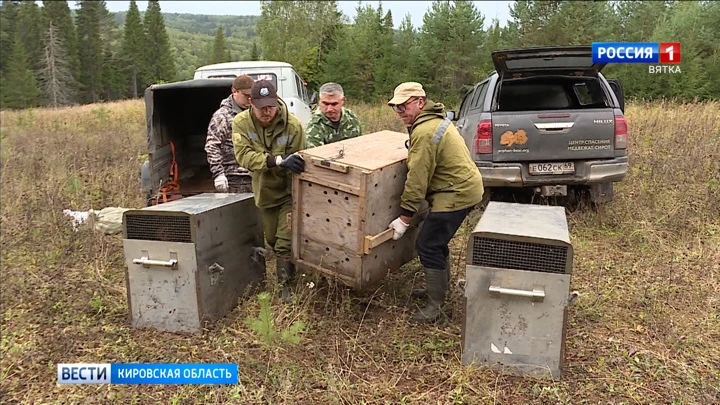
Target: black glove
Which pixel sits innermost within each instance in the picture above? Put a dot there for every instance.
(294, 163)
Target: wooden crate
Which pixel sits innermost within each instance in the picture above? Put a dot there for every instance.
(342, 206)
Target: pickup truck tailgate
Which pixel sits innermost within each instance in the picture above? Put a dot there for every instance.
(553, 136)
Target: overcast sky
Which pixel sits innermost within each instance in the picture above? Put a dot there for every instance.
(416, 9)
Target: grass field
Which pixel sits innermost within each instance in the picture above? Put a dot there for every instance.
(646, 328)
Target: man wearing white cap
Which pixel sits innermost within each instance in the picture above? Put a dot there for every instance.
(441, 171)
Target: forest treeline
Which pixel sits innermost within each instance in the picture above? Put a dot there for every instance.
(53, 55)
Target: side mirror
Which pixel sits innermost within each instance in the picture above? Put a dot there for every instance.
(617, 89)
(313, 99)
(450, 115)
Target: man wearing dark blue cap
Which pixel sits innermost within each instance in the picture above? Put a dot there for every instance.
(266, 138)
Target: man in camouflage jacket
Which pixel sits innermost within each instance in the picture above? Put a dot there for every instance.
(227, 174)
(331, 122)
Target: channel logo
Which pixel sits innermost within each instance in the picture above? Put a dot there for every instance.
(637, 52)
(82, 373)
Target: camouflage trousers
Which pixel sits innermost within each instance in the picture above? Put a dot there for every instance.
(240, 184)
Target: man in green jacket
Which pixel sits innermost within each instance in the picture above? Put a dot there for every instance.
(441, 171)
(266, 138)
(332, 122)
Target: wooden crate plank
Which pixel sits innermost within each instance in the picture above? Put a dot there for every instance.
(369, 152)
(332, 260)
(383, 204)
(328, 216)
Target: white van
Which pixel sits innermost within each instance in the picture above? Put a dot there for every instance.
(290, 86)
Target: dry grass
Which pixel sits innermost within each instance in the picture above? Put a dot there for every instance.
(646, 328)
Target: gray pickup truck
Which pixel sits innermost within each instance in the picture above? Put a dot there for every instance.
(547, 120)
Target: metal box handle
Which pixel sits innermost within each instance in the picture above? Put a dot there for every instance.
(146, 261)
(536, 294)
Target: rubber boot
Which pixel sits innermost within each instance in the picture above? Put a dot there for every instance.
(437, 286)
(422, 292)
(285, 271)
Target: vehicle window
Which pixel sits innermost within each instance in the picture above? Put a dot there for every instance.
(583, 94)
(465, 105)
(479, 97)
(521, 96)
(302, 91)
(265, 76)
(256, 76)
(589, 94)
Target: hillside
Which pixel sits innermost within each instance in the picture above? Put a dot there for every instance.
(192, 36)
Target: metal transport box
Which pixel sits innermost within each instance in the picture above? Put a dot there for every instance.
(519, 262)
(189, 260)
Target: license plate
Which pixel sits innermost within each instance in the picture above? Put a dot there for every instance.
(552, 168)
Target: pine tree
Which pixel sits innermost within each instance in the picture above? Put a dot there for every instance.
(298, 32)
(364, 51)
(56, 76)
(405, 51)
(254, 53)
(338, 63)
(19, 87)
(385, 69)
(90, 50)
(29, 27)
(220, 51)
(160, 56)
(133, 50)
(451, 41)
(8, 16)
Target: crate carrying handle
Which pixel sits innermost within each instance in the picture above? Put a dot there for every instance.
(371, 242)
(536, 294)
(146, 261)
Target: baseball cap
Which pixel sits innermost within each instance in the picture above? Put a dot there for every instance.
(263, 94)
(404, 91)
(243, 83)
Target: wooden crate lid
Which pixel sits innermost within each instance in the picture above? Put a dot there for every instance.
(372, 151)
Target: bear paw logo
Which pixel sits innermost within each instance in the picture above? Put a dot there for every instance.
(508, 138)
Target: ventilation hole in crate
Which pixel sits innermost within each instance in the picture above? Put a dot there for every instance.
(336, 193)
(393, 246)
(309, 184)
(327, 219)
(375, 184)
(390, 207)
(327, 249)
(373, 214)
(307, 215)
(325, 192)
(347, 260)
(306, 241)
(394, 176)
(329, 201)
(347, 198)
(376, 256)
